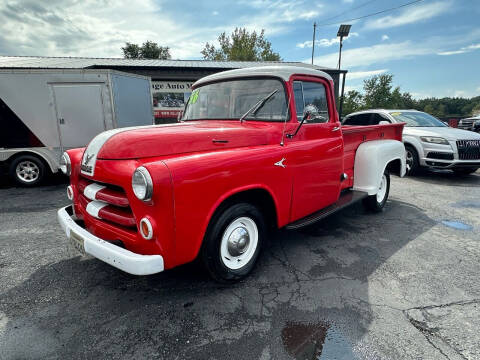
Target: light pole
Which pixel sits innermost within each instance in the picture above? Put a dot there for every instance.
(342, 32)
(313, 41)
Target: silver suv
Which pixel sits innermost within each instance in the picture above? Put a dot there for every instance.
(428, 141)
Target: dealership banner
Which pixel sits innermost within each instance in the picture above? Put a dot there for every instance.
(170, 97)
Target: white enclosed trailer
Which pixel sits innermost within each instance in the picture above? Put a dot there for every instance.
(44, 112)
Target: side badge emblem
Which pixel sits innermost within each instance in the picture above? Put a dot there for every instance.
(280, 163)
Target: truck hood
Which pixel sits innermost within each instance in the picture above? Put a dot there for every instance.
(172, 139)
(447, 133)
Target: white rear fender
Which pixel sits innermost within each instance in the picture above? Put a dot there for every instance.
(371, 160)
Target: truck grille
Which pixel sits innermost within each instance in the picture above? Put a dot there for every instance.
(468, 149)
(106, 202)
(465, 124)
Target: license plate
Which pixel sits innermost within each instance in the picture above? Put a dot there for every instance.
(77, 242)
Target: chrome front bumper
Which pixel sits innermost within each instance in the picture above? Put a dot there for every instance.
(114, 255)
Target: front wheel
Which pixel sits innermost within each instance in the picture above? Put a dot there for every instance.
(233, 242)
(411, 160)
(377, 202)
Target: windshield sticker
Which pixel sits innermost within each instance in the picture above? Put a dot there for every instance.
(194, 97)
(395, 113)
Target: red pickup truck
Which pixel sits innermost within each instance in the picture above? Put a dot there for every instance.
(257, 148)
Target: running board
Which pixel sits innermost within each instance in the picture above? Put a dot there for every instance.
(346, 198)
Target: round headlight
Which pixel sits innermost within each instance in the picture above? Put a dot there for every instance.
(65, 164)
(142, 184)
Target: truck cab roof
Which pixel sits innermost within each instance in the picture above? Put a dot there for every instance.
(281, 71)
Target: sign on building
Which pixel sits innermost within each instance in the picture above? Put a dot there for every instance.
(169, 99)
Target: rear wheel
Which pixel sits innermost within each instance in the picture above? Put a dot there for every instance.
(465, 171)
(377, 202)
(233, 242)
(411, 160)
(27, 170)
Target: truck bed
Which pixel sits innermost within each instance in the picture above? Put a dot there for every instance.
(354, 135)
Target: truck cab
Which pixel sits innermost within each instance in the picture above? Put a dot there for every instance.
(257, 148)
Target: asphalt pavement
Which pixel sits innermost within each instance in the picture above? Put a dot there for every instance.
(402, 284)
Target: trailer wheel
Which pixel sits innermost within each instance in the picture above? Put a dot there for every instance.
(233, 242)
(27, 170)
(377, 202)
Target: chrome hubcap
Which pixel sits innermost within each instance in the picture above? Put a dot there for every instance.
(239, 243)
(27, 171)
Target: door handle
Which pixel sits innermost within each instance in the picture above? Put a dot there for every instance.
(336, 128)
(61, 121)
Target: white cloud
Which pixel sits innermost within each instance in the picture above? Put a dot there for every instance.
(101, 27)
(385, 52)
(273, 12)
(385, 37)
(353, 87)
(365, 56)
(324, 42)
(410, 15)
(91, 28)
(462, 50)
(363, 74)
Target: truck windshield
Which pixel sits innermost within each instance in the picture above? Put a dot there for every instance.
(229, 100)
(417, 119)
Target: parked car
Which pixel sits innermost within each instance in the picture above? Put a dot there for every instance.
(471, 123)
(270, 154)
(428, 141)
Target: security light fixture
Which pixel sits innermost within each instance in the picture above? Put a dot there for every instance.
(344, 30)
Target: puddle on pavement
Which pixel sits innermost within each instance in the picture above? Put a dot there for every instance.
(457, 225)
(320, 341)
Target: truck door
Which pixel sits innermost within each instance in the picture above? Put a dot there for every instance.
(316, 152)
(79, 110)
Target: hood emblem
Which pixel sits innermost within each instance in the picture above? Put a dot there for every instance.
(280, 163)
(87, 169)
(88, 158)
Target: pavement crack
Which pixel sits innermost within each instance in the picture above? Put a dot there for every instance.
(432, 333)
(453, 303)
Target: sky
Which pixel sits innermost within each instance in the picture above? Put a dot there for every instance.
(432, 47)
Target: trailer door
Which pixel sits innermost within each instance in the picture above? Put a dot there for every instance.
(79, 109)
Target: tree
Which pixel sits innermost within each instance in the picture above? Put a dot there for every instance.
(148, 50)
(353, 101)
(241, 46)
(378, 91)
(476, 110)
(131, 51)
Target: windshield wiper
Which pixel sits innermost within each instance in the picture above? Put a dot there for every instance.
(258, 105)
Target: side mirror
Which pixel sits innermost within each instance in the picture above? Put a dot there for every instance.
(311, 114)
(307, 115)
